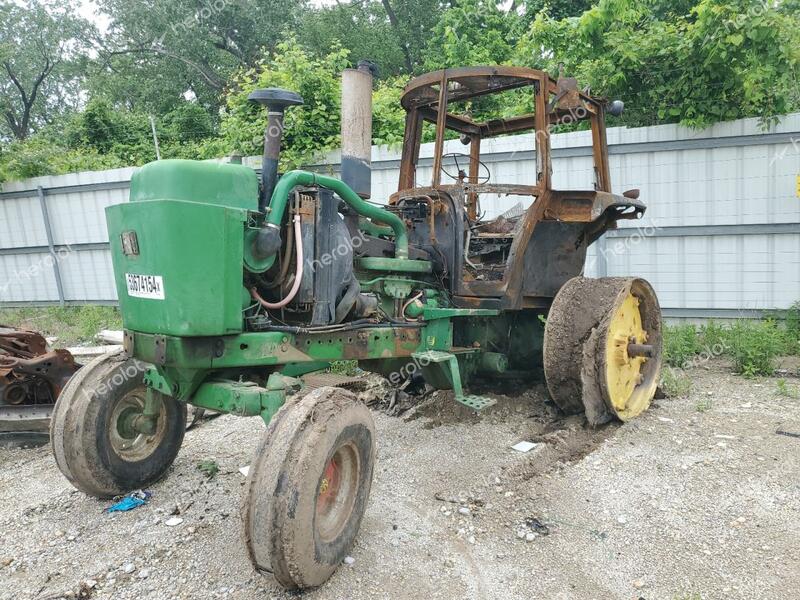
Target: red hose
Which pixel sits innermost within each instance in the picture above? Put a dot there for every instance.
(298, 273)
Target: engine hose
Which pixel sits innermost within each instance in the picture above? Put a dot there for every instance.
(297, 277)
(285, 266)
(348, 300)
(407, 304)
(292, 179)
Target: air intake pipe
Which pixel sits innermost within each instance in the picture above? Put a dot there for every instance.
(268, 240)
(276, 100)
(357, 127)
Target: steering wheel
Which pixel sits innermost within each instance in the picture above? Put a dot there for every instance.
(461, 173)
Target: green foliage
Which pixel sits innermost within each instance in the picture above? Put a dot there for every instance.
(690, 61)
(308, 131)
(713, 337)
(704, 404)
(103, 136)
(312, 129)
(208, 467)
(159, 49)
(473, 32)
(72, 325)
(681, 345)
(792, 321)
(43, 51)
(188, 122)
(557, 9)
(787, 391)
(121, 133)
(40, 156)
(754, 345)
(675, 383)
(388, 117)
(364, 29)
(721, 60)
(344, 367)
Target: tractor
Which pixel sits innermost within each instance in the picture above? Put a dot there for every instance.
(234, 288)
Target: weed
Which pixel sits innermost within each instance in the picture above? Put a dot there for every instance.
(704, 405)
(344, 367)
(680, 344)
(793, 319)
(713, 335)
(792, 330)
(786, 390)
(675, 383)
(754, 346)
(209, 468)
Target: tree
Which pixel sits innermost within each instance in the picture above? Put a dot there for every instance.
(157, 51)
(392, 33)
(473, 32)
(41, 49)
(719, 60)
(555, 9)
(360, 27)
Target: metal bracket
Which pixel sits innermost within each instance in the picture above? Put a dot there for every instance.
(449, 363)
(160, 349)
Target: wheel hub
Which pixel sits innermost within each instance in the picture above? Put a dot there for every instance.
(337, 492)
(133, 434)
(623, 371)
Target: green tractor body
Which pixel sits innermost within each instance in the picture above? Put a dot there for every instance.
(233, 289)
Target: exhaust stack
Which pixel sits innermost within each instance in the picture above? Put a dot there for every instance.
(357, 127)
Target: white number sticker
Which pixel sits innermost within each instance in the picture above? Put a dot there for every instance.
(145, 286)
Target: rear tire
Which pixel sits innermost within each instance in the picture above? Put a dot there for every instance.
(86, 440)
(586, 361)
(308, 487)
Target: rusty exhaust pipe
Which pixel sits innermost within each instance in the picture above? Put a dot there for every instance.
(357, 127)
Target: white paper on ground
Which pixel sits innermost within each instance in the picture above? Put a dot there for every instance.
(523, 446)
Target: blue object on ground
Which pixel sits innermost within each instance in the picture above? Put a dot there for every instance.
(131, 501)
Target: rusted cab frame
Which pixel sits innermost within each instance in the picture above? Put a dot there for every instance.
(427, 98)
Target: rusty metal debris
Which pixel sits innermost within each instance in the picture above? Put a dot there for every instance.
(31, 378)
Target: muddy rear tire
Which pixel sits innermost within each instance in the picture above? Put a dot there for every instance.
(86, 440)
(592, 330)
(308, 487)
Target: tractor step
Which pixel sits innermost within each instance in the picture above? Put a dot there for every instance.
(476, 402)
(448, 364)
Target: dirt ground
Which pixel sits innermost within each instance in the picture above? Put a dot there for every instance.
(697, 498)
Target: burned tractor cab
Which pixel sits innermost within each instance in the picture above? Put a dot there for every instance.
(521, 258)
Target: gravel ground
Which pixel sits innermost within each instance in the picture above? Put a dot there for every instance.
(698, 498)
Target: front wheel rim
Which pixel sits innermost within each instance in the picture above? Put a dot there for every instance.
(139, 446)
(337, 491)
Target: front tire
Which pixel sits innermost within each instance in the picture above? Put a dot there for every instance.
(308, 487)
(98, 456)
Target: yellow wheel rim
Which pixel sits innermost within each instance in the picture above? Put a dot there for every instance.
(628, 391)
